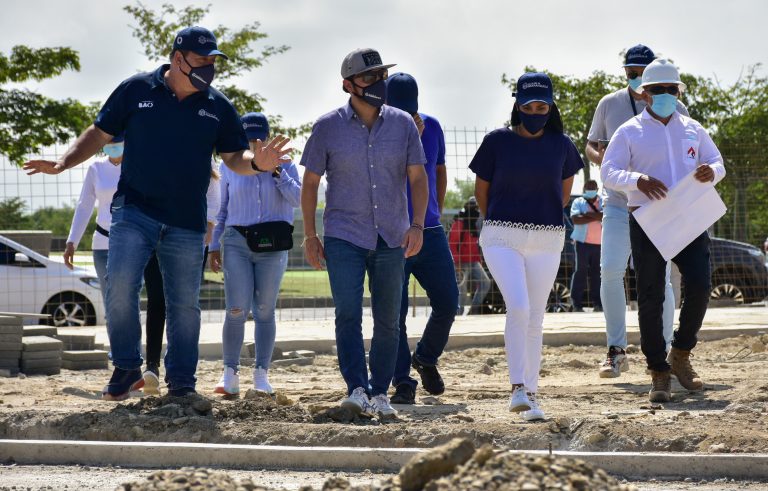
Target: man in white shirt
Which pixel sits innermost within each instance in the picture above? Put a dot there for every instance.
(612, 111)
(647, 155)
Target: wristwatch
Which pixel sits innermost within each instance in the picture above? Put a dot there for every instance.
(276, 172)
(255, 167)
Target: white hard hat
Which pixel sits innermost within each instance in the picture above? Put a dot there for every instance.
(661, 72)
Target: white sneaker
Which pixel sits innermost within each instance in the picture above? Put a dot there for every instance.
(358, 403)
(229, 384)
(535, 412)
(382, 407)
(261, 381)
(151, 383)
(519, 401)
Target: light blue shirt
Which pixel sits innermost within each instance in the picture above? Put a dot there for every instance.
(580, 207)
(248, 200)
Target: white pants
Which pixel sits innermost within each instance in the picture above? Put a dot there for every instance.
(524, 264)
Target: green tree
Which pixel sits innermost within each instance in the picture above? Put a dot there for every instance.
(455, 198)
(156, 31)
(12, 214)
(28, 120)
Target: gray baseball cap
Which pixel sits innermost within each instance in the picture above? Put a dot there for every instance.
(362, 60)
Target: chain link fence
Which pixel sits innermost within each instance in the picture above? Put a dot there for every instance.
(36, 212)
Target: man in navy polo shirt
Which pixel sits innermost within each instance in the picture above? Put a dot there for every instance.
(433, 265)
(367, 151)
(175, 121)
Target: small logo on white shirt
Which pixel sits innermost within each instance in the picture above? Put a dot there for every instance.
(204, 113)
(691, 153)
(146, 104)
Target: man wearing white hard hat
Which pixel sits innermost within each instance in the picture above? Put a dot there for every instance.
(612, 111)
(647, 155)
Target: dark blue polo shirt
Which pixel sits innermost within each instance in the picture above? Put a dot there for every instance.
(526, 175)
(168, 146)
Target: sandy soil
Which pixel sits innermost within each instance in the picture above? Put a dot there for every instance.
(584, 411)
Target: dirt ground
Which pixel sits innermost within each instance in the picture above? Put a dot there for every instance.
(584, 412)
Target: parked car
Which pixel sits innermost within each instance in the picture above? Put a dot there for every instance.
(739, 275)
(33, 283)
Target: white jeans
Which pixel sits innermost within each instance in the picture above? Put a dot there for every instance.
(524, 264)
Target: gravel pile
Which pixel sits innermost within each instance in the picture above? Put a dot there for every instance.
(192, 479)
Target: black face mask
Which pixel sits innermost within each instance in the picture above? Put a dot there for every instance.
(201, 76)
(375, 94)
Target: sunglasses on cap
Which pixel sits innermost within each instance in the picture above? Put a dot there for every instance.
(371, 77)
(661, 89)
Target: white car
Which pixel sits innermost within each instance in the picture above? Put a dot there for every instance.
(33, 283)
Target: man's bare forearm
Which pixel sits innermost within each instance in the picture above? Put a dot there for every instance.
(309, 205)
(240, 162)
(441, 185)
(419, 192)
(87, 144)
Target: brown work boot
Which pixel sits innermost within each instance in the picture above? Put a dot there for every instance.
(662, 387)
(680, 362)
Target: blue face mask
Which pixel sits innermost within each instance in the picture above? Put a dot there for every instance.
(113, 150)
(375, 94)
(591, 194)
(634, 83)
(533, 122)
(664, 105)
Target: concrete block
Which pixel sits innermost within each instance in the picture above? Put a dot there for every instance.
(40, 355)
(10, 354)
(68, 338)
(247, 362)
(42, 371)
(9, 372)
(42, 363)
(249, 351)
(40, 331)
(10, 320)
(92, 355)
(301, 353)
(11, 329)
(85, 364)
(41, 343)
(9, 363)
(79, 347)
(10, 338)
(98, 346)
(299, 362)
(10, 346)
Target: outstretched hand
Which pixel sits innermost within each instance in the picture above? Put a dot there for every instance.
(42, 167)
(268, 155)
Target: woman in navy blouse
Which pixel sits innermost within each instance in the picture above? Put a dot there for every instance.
(524, 176)
(252, 279)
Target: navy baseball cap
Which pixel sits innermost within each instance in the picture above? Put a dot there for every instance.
(403, 93)
(534, 86)
(256, 126)
(198, 40)
(639, 55)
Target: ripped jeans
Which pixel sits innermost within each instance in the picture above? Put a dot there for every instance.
(251, 283)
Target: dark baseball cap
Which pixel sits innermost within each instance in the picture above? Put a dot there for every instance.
(639, 55)
(362, 60)
(198, 40)
(534, 86)
(256, 126)
(403, 93)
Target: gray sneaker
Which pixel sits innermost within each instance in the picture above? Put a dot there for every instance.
(358, 403)
(615, 363)
(382, 407)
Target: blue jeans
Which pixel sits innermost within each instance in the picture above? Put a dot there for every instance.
(347, 265)
(614, 255)
(477, 276)
(251, 284)
(587, 263)
(132, 239)
(100, 263)
(433, 268)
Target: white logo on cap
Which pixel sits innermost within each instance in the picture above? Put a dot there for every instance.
(251, 125)
(540, 85)
(146, 104)
(203, 112)
(203, 40)
(179, 40)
